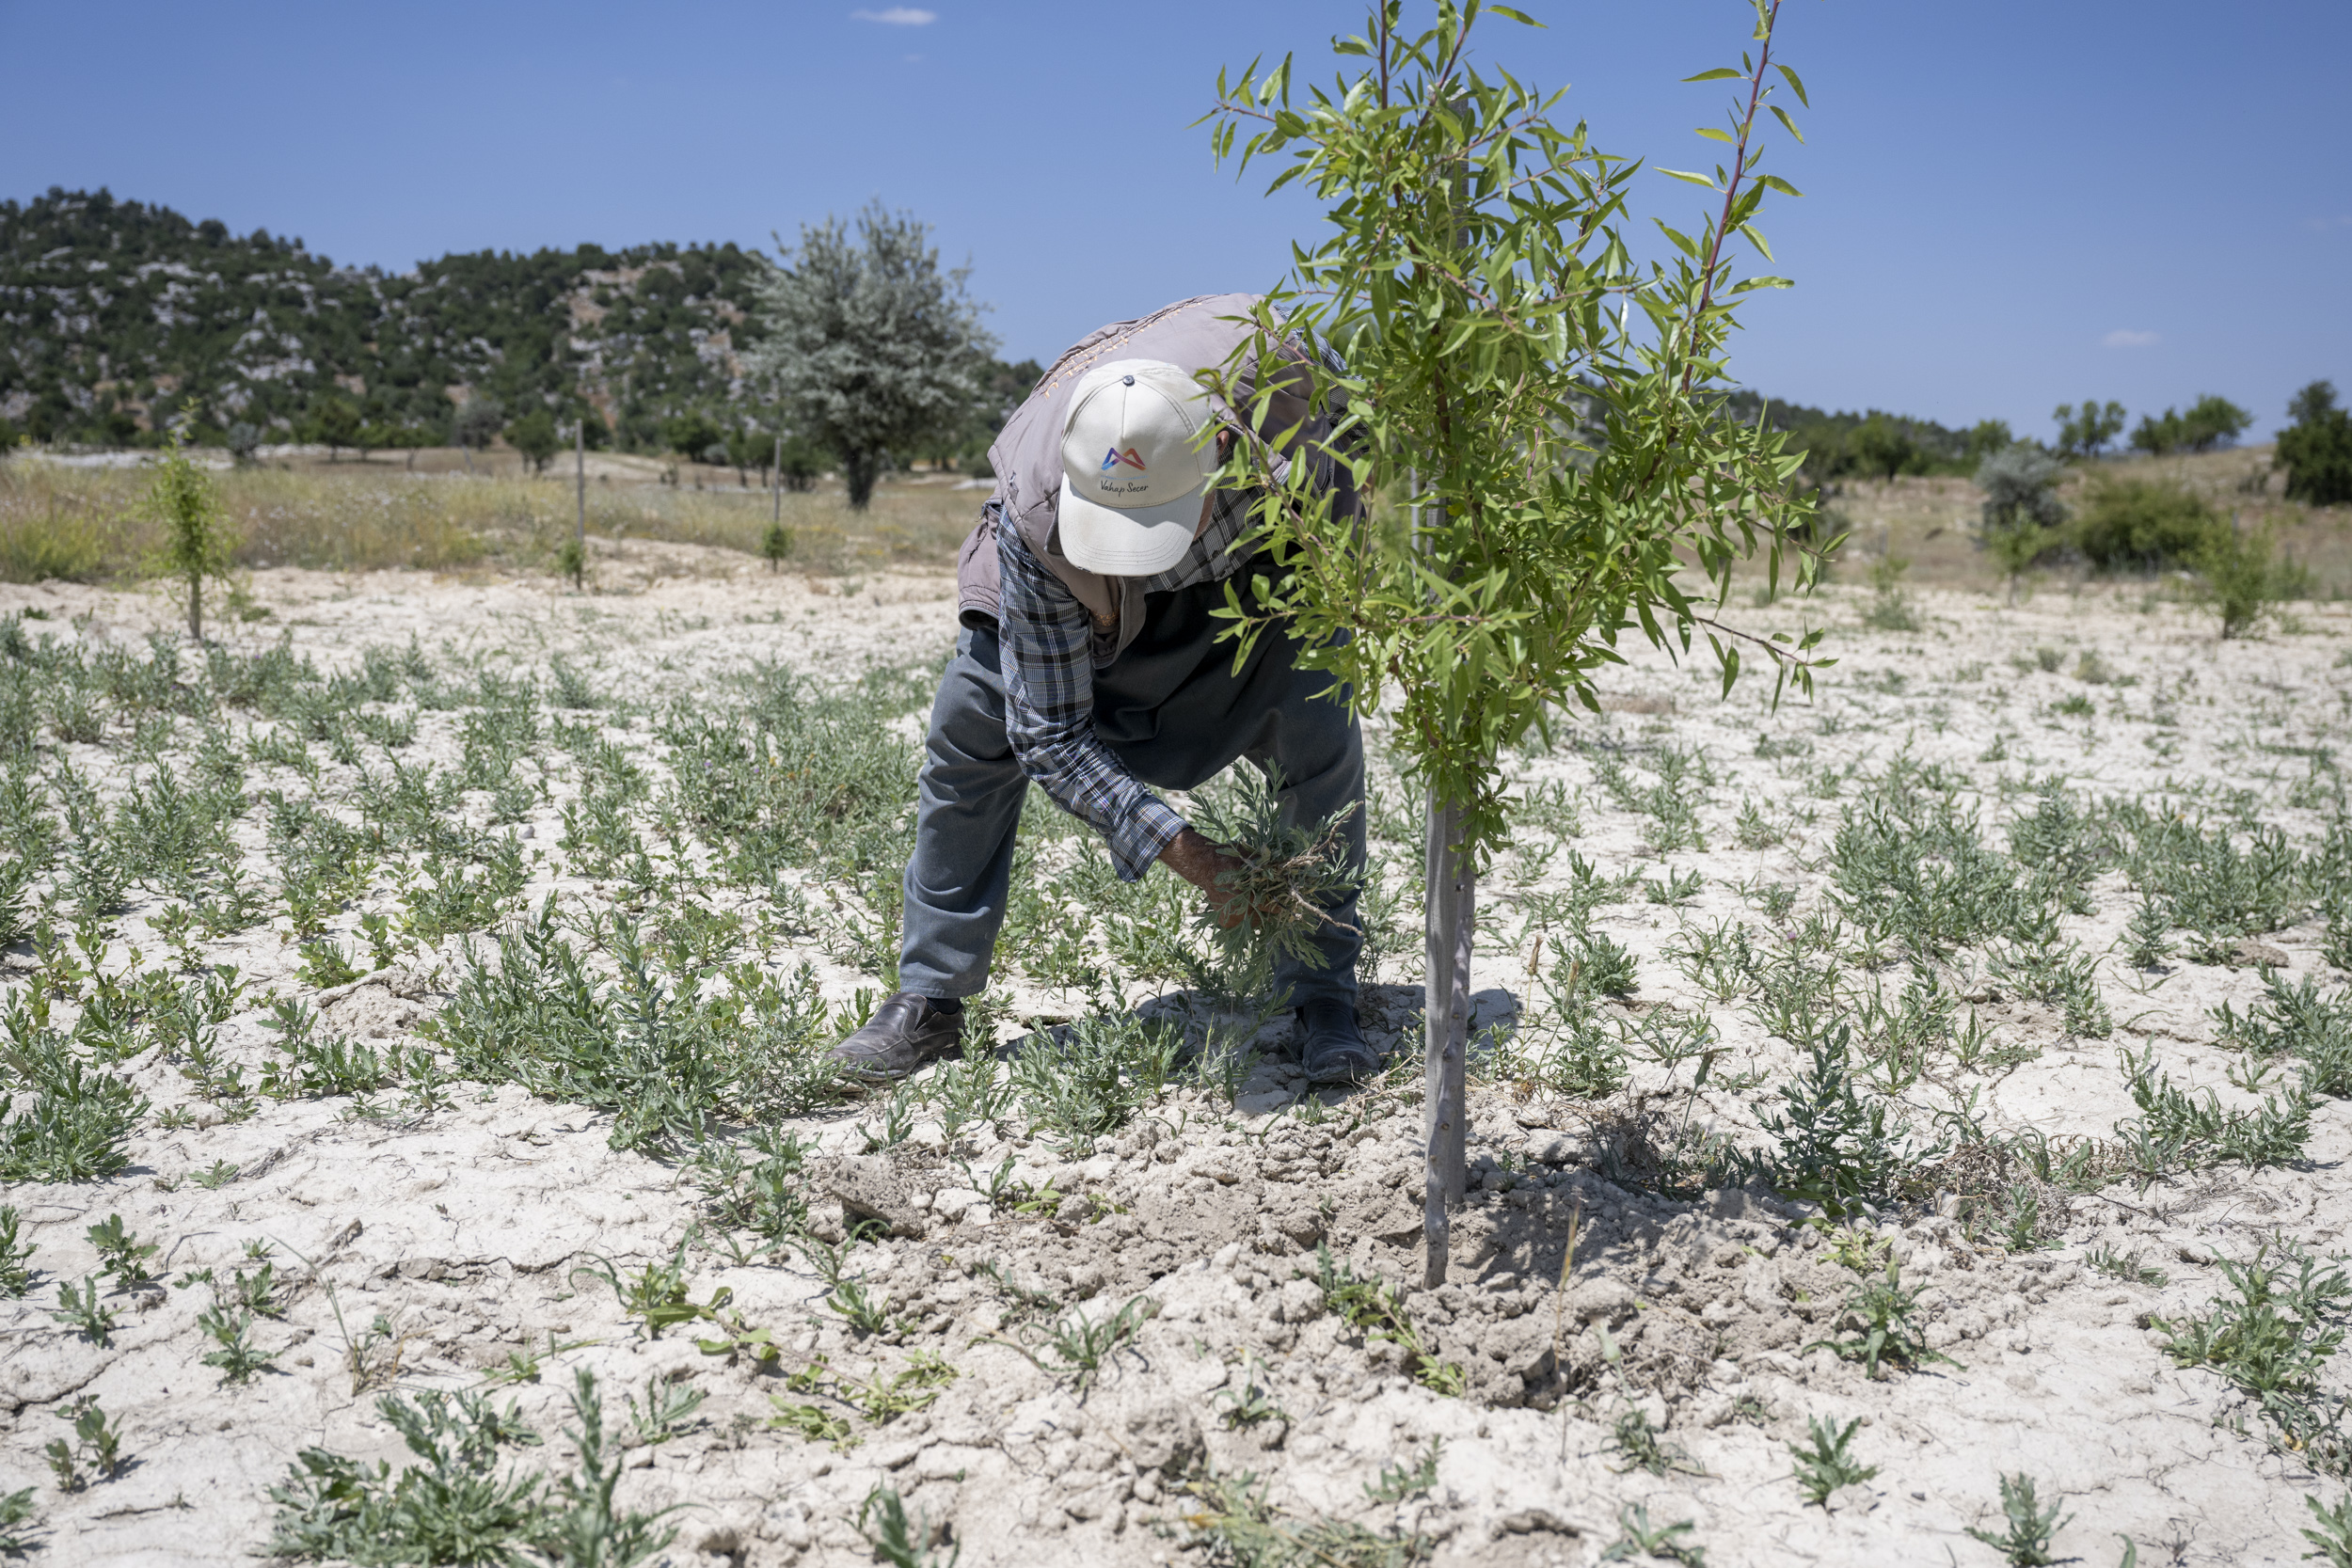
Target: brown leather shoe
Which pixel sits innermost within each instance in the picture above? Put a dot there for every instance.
(905, 1032)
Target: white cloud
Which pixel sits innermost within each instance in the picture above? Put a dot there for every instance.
(2124, 337)
(898, 16)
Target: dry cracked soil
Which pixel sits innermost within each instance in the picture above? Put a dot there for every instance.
(1087, 1311)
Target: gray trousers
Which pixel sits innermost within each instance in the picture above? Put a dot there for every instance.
(1173, 711)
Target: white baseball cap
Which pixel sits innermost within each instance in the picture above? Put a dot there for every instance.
(1134, 466)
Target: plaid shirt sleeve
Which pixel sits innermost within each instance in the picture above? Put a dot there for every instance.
(1046, 644)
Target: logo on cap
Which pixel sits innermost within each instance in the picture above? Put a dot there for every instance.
(1114, 457)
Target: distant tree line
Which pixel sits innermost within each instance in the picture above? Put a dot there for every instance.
(854, 350)
(119, 321)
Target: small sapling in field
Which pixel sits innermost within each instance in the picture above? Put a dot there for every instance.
(1823, 1462)
(2025, 1542)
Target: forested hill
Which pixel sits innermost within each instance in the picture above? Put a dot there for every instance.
(112, 309)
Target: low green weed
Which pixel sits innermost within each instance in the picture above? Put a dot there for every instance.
(864, 1314)
(15, 1279)
(2270, 1337)
(2025, 1541)
(1658, 1543)
(1079, 1346)
(1880, 1326)
(1375, 1309)
(16, 1513)
(1400, 1482)
(1091, 1081)
(2334, 1535)
(97, 1442)
(656, 1294)
(812, 1423)
(230, 1327)
(896, 1540)
(77, 1127)
(1832, 1147)
(2125, 1266)
(668, 1412)
(462, 1502)
(1250, 1404)
(1231, 1519)
(80, 1310)
(1824, 1461)
(2298, 1023)
(2177, 1131)
(121, 1256)
(1643, 1447)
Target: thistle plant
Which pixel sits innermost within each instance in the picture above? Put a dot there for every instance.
(1557, 463)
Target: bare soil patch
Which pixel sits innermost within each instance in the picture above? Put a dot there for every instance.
(1168, 1316)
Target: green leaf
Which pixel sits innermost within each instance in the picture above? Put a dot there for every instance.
(1786, 123)
(1517, 16)
(1795, 84)
(1693, 179)
(1774, 182)
(1724, 73)
(1711, 134)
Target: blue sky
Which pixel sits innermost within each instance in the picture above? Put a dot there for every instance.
(2008, 205)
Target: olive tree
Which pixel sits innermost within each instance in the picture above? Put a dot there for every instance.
(1546, 409)
(871, 346)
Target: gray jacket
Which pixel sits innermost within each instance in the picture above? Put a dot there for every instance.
(1026, 454)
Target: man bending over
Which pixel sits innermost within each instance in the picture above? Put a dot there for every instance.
(1089, 661)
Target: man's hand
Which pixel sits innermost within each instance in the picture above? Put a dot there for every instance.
(1200, 862)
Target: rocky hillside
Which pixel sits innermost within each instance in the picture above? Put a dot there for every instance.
(111, 310)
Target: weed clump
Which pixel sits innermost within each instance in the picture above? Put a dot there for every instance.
(462, 1502)
(2025, 1541)
(2270, 1337)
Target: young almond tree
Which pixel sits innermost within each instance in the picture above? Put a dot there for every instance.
(197, 542)
(1546, 409)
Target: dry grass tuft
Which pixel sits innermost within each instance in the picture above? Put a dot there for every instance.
(79, 524)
